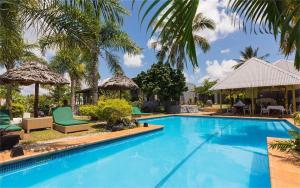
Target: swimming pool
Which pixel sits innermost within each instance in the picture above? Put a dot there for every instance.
(188, 152)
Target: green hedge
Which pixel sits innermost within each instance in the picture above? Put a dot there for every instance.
(109, 110)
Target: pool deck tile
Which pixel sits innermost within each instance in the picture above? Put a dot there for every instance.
(65, 144)
(284, 168)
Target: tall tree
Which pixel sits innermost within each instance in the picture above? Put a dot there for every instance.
(281, 18)
(13, 49)
(163, 81)
(248, 53)
(173, 21)
(106, 36)
(174, 52)
(70, 61)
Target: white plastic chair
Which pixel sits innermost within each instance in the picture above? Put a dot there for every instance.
(247, 108)
(263, 110)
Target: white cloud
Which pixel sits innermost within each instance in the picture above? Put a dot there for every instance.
(225, 51)
(219, 70)
(102, 81)
(197, 70)
(29, 90)
(216, 10)
(2, 70)
(133, 61)
(153, 43)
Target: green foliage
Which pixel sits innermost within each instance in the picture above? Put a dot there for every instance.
(18, 109)
(167, 20)
(288, 145)
(205, 86)
(112, 110)
(248, 53)
(281, 18)
(89, 110)
(163, 81)
(296, 117)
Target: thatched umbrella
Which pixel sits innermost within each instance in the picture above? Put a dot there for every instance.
(119, 82)
(33, 73)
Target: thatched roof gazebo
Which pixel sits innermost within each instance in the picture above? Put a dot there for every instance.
(119, 82)
(33, 73)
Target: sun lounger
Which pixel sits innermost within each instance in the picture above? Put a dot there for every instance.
(65, 122)
(137, 112)
(7, 127)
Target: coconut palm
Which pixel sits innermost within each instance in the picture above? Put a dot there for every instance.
(288, 145)
(70, 61)
(13, 49)
(248, 53)
(173, 22)
(106, 37)
(281, 18)
(175, 54)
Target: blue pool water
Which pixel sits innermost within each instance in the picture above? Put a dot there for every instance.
(188, 152)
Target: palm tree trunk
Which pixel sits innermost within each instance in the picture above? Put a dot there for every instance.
(9, 89)
(95, 76)
(73, 85)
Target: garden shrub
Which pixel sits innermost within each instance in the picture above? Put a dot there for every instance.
(89, 110)
(18, 109)
(112, 110)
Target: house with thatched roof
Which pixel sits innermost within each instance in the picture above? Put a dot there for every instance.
(260, 79)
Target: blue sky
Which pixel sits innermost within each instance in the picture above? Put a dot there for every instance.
(226, 42)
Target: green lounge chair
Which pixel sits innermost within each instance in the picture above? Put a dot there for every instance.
(65, 122)
(4, 116)
(137, 111)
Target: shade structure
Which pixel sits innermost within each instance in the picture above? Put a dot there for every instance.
(33, 73)
(119, 82)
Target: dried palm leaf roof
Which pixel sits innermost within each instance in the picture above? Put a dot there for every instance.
(32, 72)
(119, 82)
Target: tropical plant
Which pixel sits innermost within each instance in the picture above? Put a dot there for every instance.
(204, 89)
(290, 145)
(89, 110)
(163, 81)
(113, 110)
(172, 21)
(70, 61)
(174, 52)
(281, 18)
(248, 53)
(104, 21)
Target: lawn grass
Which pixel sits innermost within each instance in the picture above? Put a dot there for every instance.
(47, 134)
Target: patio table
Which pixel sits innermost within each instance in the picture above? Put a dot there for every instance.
(276, 107)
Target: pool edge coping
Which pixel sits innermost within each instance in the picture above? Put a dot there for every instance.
(150, 129)
(281, 178)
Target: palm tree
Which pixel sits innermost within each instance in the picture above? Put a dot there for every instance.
(281, 18)
(248, 53)
(106, 36)
(173, 22)
(70, 61)
(13, 49)
(176, 53)
(288, 145)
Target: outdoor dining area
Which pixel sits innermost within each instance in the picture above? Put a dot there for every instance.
(270, 91)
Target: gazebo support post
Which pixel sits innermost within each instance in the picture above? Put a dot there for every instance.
(221, 100)
(36, 100)
(294, 99)
(252, 101)
(286, 102)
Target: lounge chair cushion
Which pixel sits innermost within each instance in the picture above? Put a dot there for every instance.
(137, 111)
(71, 122)
(11, 127)
(64, 116)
